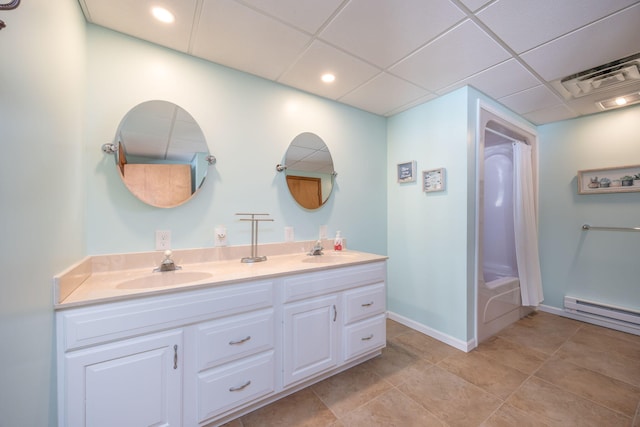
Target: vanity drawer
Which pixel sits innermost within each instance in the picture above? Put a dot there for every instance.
(364, 302)
(232, 338)
(364, 336)
(229, 386)
(111, 321)
(330, 281)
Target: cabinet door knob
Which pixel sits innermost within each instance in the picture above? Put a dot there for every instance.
(335, 313)
(243, 340)
(242, 387)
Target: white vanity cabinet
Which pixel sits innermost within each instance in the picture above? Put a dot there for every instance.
(332, 317)
(201, 357)
(148, 361)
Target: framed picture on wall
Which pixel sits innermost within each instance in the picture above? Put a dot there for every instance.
(623, 179)
(407, 171)
(434, 180)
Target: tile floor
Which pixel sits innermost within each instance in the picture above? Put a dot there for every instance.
(544, 370)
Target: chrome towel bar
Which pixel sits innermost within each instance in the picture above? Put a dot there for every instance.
(588, 227)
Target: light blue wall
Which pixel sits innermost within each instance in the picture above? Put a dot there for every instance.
(427, 247)
(248, 123)
(42, 189)
(603, 266)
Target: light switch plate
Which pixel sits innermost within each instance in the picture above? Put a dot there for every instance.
(288, 234)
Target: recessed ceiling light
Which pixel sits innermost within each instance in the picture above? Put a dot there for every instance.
(619, 101)
(328, 78)
(163, 15)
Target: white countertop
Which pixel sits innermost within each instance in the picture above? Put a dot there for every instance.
(84, 284)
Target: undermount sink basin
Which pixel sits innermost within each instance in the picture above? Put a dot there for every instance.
(328, 257)
(164, 279)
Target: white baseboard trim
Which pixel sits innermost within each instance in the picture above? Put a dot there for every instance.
(447, 339)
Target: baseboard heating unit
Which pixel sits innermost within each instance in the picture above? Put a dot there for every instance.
(626, 318)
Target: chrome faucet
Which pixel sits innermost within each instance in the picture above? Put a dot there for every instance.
(167, 263)
(317, 249)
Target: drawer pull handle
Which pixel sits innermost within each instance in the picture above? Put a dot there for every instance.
(335, 313)
(367, 304)
(367, 338)
(175, 356)
(242, 387)
(242, 341)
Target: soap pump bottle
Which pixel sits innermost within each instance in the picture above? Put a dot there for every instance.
(337, 242)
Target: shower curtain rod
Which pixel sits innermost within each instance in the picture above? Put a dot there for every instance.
(495, 132)
(588, 227)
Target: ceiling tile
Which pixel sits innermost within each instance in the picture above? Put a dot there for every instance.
(239, 37)
(134, 18)
(523, 24)
(532, 99)
(435, 67)
(501, 80)
(426, 98)
(384, 93)
(308, 15)
(587, 47)
(474, 5)
(551, 114)
(382, 31)
(321, 58)
(392, 55)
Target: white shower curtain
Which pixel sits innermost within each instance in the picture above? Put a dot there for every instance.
(526, 227)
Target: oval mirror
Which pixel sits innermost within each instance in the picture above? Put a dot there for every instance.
(161, 154)
(309, 170)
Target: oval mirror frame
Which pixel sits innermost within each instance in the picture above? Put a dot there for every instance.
(309, 170)
(161, 154)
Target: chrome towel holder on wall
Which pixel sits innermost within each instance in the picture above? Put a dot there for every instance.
(8, 6)
(587, 227)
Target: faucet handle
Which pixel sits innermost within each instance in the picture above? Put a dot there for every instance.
(167, 263)
(317, 248)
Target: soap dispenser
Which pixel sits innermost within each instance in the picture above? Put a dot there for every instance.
(337, 242)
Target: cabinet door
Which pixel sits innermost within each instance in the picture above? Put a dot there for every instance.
(311, 338)
(135, 382)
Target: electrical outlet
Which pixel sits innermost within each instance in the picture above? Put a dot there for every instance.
(220, 236)
(163, 240)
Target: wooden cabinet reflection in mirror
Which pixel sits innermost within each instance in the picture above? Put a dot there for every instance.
(306, 191)
(160, 185)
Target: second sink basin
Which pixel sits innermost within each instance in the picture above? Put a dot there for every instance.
(164, 279)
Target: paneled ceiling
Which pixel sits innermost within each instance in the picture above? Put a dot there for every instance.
(390, 55)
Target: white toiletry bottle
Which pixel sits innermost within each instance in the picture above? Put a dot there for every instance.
(337, 242)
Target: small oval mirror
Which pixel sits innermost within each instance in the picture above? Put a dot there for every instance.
(309, 170)
(161, 154)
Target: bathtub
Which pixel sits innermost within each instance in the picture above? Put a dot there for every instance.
(499, 304)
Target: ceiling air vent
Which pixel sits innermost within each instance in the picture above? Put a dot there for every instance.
(609, 76)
